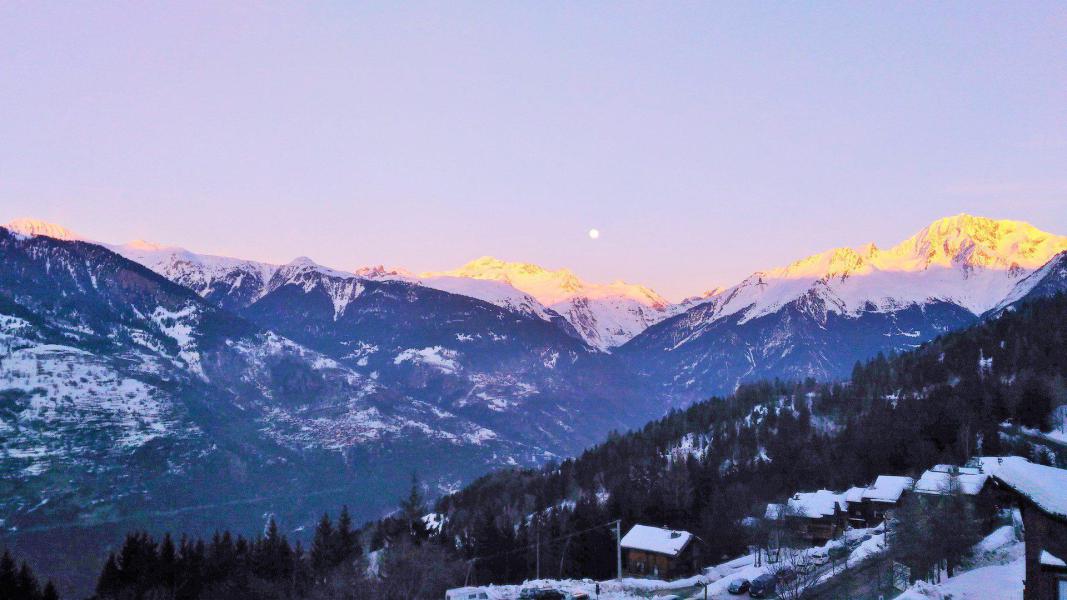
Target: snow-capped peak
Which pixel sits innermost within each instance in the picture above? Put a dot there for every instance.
(552, 286)
(146, 246)
(33, 227)
(604, 314)
(970, 261)
(383, 272)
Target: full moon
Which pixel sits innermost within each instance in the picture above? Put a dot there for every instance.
(594, 234)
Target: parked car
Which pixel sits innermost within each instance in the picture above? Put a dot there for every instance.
(739, 586)
(551, 594)
(820, 556)
(763, 586)
(466, 594)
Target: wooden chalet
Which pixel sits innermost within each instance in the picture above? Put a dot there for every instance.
(1041, 494)
(815, 517)
(659, 553)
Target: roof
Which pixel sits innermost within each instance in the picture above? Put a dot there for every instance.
(988, 464)
(965, 470)
(774, 511)
(814, 505)
(656, 539)
(1045, 486)
(940, 482)
(887, 488)
(1048, 560)
(854, 495)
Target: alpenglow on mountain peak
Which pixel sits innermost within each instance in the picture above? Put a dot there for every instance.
(27, 226)
(958, 241)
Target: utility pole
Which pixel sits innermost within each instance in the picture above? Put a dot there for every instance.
(618, 547)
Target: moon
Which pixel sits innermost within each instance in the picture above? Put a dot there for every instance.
(594, 234)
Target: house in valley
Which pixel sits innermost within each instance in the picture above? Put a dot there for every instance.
(969, 483)
(854, 507)
(815, 517)
(1041, 494)
(659, 553)
(882, 496)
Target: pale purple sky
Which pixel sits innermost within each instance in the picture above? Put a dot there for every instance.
(704, 140)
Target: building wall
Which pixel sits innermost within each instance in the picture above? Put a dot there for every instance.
(649, 564)
(1043, 532)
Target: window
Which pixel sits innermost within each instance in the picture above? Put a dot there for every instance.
(1062, 595)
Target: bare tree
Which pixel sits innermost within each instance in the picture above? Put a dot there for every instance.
(795, 574)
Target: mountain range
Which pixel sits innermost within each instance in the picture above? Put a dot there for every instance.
(133, 375)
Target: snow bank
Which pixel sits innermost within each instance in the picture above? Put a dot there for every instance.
(1003, 582)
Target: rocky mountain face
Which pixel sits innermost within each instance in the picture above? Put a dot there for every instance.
(817, 316)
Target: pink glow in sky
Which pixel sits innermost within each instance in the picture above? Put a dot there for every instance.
(703, 141)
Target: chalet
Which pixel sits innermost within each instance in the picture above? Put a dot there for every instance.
(947, 479)
(882, 496)
(854, 507)
(816, 517)
(1041, 493)
(659, 553)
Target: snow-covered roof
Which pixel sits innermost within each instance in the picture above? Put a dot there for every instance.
(812, 505)
(968, 470)
(940, 482)
(1050, 560)
(1045, 486)
(854, 495)
(887, 488)
(815, 504)
(774, 511)
(656, 539)
(988, 464)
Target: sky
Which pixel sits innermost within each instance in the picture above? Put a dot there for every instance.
(703, 140)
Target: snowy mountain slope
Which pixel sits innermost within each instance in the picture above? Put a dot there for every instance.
(228, 282)
(1049, 280)
(120, 387)
(236, 283)
(817, 316)
(500, 293)
(519, 375)
(605, 315)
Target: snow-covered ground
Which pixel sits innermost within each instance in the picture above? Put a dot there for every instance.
(996, 572)
(716, 577)
(623, 589)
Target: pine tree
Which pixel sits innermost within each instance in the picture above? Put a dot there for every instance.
(347, 540)
(412, 509)
(110, 580)
(8, 576)
(49, 592)
(26, 583)
(322, 546)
